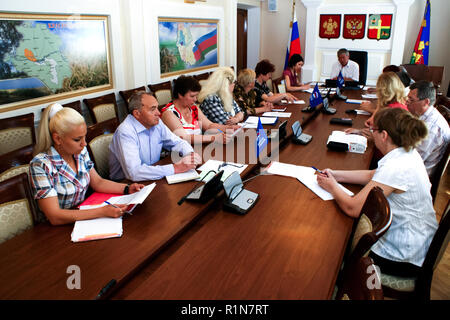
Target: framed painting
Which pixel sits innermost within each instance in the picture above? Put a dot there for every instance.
(44, 58)
(187, 45)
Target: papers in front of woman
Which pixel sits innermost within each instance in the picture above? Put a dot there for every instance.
(277, 114)
(217, 165)
(295, 101)
(96, 229)
(369, 96)
(184, 176)
(356, 143)
(305, 175)
(264, 120)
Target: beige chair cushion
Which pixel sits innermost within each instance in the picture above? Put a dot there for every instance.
(104, 112)
(15, 138)
(15, 217)
(14, 171)
(398, 283)
(163, 96)
(100, 149)
(364, 226)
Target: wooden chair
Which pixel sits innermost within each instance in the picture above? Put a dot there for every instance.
(374, 220)
(126, 94)
(15, 162)
(202, 78)
(98, 138)
(18, 210)
(423, 72)
(276, 82)
(438, 172)
(419, 288)
(17, 132)
(443, 106)
(74, 105)
(102, 108)
(363, 282)
(162, 92)
(270, 85)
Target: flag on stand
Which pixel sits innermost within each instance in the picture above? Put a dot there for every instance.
(294, 41)
(340, 80)
(261, 138)
(316, 97)
(421, 49)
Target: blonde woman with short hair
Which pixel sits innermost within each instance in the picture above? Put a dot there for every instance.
(245, 94)
(61, 171)
(216, 98)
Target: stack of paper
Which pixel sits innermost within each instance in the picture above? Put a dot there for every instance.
(264, 120)
(356, 143)
(95, 229)
(353, 101)
(369, 96)
(277, 114)
(305, 175)
(294, 102)
(181, 177)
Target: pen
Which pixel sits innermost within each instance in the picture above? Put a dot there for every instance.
(317, 170)
(105, 289)
(110, 204)
(219, 130)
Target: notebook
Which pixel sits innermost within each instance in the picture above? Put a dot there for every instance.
(96, 229)
(181, 177)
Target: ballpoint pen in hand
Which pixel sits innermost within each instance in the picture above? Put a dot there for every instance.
(318, 170)
(112, 205)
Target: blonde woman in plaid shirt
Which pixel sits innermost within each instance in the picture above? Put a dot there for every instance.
(61, 171)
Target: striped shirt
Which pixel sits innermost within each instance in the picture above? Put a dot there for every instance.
(413, 217)
(51, 176)
(432, 149)
(213, 109)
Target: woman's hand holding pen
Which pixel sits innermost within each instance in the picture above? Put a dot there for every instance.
(326, 180)
(114, 211)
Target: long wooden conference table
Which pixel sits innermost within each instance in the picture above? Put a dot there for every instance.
(289, 246)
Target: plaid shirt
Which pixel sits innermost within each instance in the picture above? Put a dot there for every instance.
(246, 101)
(212, 107)
(51, 176)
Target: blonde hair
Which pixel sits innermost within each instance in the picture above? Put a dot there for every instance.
(404, 129)
(245, 77)
(62, 122)
(219, 83)
(390, 89)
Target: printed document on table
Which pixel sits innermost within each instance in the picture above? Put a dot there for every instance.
(277, 114)
(295, 101)
(181, 177)
(96, 229)
(216, 165)
(264, 120)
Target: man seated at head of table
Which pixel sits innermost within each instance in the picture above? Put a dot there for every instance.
(185, 118)
(138, 141)
(403, 178)
(421, 98)
(349, 68)
(245, 94)
(263, 71)
(216, 98)
(62, 171)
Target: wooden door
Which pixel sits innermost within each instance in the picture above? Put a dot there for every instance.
(241, 54)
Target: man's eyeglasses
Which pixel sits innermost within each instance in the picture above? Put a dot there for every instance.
(372, 129)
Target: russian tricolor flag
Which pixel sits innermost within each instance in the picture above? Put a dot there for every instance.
(294, 43)
(205, 44)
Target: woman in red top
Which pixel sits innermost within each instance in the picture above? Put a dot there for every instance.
(186, 120)
(292, 74)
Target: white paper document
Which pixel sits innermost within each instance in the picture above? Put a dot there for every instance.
(264, 120)
(277, 114)
(362, 112)
(134, 198)
(305, 175)
(280, 109)
(217, 165)
(353, 101)
(181, 177)
(369, 96)
(95, 229)
(294, 102)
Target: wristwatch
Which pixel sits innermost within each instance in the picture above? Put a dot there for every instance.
(126, 190)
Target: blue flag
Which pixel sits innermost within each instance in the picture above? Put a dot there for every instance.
(261, 138)
(421, 49)
(316, 97)
(340, 80)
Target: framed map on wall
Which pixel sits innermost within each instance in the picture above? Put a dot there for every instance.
(187, 45)
(45, 58)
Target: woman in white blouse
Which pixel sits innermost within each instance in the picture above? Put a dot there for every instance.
(404, 180)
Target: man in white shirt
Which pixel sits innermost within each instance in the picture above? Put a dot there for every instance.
(349, 68)
(420, 101)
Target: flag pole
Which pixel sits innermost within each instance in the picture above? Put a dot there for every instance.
(292, 16)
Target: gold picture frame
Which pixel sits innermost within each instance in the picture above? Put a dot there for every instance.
(186, 45)
(51, 57)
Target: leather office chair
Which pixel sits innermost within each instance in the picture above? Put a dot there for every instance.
(98, 138)
(374, 220)
(126, 94)
(17, 132)
(15, 162)
(102, 108)
(428, 73)
(363, 282)
(419, 288)
(162, 92)
(18, 210)
(438, 172)
(360, 57)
